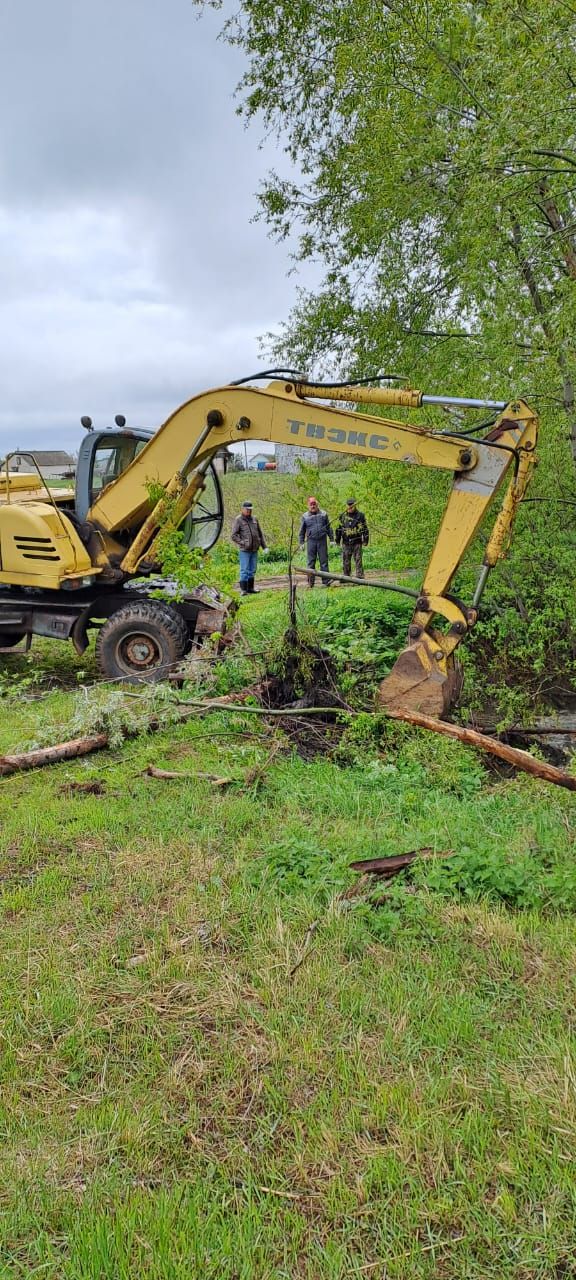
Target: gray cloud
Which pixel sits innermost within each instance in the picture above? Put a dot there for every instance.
(131, 274)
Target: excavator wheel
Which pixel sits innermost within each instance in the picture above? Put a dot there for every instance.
(141, 641)
(9, 639)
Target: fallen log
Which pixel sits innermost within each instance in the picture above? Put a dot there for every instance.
(84, 746)
(52, 755)
(512, 755)
(391, 865)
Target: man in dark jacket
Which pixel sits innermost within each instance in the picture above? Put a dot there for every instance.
(315, 530)
(248, 537)
(352, 533)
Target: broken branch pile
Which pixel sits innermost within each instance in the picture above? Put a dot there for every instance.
(76, 747)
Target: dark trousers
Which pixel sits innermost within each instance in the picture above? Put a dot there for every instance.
(352, 550)
(316, 549)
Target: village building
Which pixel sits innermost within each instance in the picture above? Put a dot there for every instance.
(50, 462)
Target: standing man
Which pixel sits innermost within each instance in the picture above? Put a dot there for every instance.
(315, 530)
(248, 537)
(352, 532)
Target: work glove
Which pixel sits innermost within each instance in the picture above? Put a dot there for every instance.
(265, 551)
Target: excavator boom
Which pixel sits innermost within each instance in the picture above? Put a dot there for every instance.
(117, 537)
(425, 676)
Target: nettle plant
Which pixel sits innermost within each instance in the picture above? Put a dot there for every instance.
(187, 567)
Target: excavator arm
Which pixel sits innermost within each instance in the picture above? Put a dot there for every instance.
(425, 676)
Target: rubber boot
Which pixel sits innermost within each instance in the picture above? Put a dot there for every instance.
(252, 588)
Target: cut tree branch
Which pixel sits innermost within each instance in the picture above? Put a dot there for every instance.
(512, 755)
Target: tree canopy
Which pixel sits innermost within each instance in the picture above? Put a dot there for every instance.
(433, 173)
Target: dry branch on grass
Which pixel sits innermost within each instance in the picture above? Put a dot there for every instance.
(83, 746)
(311, 930)
(519, 759)
(393, 864)
(167, 774)
(252, 775)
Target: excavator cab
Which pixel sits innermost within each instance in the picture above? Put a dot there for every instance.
(103, 457)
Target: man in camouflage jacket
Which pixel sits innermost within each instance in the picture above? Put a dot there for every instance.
(352, 532)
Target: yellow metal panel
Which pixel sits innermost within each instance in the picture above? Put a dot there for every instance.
(272, 414)
(15, 482)
(39, 547)
(515, 430)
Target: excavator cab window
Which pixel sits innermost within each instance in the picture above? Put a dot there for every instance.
(102, 457)
(110, 459)
(203, 525)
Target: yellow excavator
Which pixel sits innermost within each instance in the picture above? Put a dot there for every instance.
(72, 561)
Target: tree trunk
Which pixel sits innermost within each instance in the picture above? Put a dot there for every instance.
(512, 755)
(541, 310)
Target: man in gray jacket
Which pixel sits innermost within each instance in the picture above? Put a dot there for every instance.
(315, 530)
(248, 537)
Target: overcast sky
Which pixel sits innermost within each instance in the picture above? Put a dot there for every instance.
(131, 274)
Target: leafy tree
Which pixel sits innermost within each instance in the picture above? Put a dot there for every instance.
(433, 172)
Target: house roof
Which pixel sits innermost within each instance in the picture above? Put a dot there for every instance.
(47, 457)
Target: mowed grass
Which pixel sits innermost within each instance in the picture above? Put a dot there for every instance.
(221, 1059)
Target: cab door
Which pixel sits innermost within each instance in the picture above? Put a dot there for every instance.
(104, 455)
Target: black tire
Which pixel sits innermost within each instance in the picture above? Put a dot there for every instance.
(141, 641)
(9, 639)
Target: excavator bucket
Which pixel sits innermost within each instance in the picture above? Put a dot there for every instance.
(421, 680)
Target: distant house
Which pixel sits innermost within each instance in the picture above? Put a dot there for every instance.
(51, 462)
(258, 461)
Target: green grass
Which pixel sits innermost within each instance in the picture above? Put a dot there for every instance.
(195, 1085)
(279, 501)
(279, 498)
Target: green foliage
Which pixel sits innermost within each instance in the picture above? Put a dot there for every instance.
(111, 711)
(521, 882)
(523, 652)
(187, 567)
(296, 866)
(365, 627)
(432, 153)
(405, 506)
(437, 184)
(19, 676)
(183, 564)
